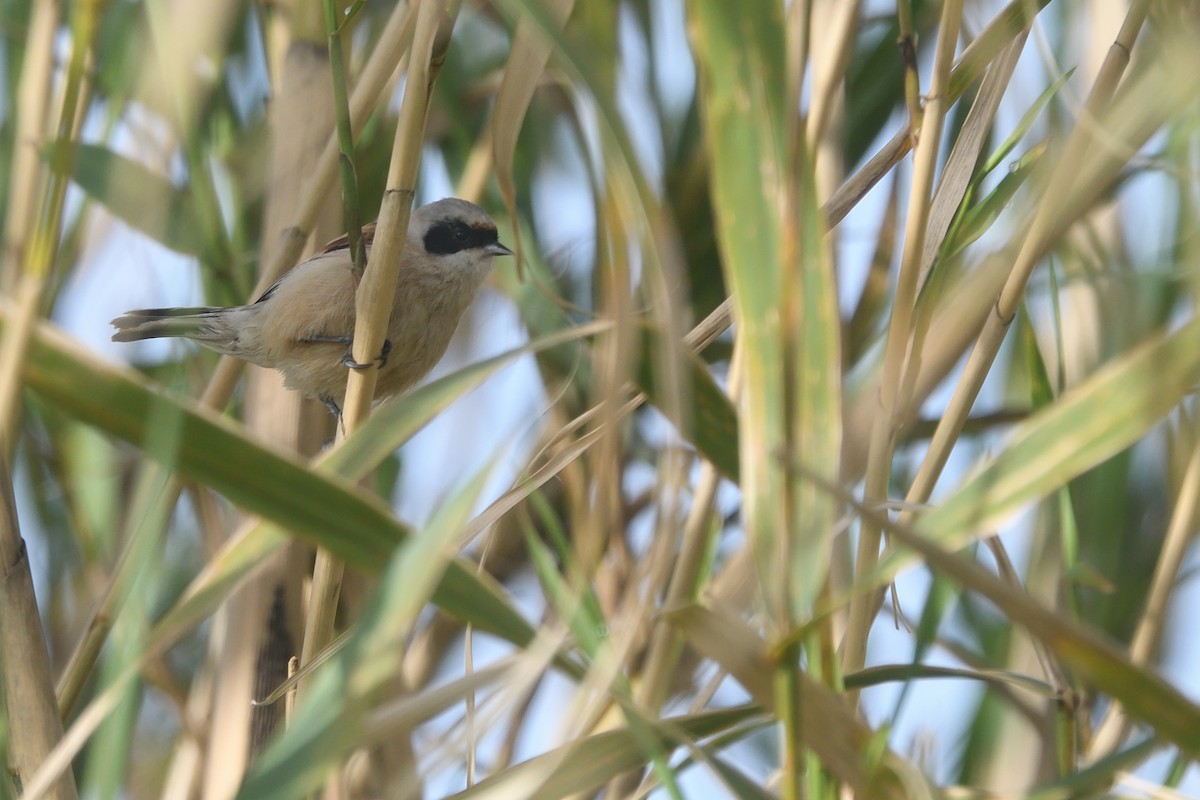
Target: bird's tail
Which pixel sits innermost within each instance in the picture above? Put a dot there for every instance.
(203, 323)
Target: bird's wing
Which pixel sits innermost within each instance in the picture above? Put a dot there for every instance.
(340, 243)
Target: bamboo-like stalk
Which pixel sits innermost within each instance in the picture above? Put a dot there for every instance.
(948, 198)
(435, 20)
(31, 122)
(434, 24)
(26, 686)
(367, 93)
(44, 244)
(432, 35)
(908, 56)
(900, 329)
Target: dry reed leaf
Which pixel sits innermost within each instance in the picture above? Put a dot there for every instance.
(956, 175)
(526, 63)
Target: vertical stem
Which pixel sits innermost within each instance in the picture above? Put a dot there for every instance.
(26, 689)
(908, 55)
(789, 712)
(286, 252)
(43, 248)
(792, 756)
(378, 286)
(33, 96)
(345, 138)
(862, 607)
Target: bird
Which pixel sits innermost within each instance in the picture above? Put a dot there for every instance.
(303, 324)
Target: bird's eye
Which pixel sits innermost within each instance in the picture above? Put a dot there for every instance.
(452, 236)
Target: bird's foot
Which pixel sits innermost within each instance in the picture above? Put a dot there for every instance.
(338, 423)
(328, 402)
(380, 361)
(348, 359)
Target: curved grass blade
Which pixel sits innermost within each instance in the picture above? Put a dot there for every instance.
(138, 196)
(1109, 412)
(584, 765)
(329, 510)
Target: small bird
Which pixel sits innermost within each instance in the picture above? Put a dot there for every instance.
(303, 325)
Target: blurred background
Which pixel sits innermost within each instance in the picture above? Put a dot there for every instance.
(650, 556)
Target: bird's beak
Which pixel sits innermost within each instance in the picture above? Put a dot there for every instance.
(497, 249)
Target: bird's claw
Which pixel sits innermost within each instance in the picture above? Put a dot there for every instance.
(330, 404)
(380, 361)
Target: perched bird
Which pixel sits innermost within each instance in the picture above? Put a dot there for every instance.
(303, 325)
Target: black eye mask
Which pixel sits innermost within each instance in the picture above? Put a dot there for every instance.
(454, 236)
